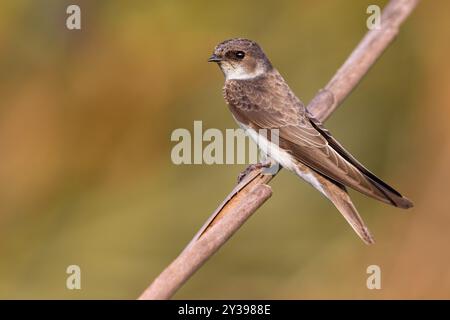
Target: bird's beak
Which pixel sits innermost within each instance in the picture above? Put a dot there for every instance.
(214, 58)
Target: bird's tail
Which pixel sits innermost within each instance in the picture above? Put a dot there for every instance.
(338, 195)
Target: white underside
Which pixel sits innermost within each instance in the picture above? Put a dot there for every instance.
(283, 158)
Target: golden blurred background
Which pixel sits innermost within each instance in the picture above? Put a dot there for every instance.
(86, 176)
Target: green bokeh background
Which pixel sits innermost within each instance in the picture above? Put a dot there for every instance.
(86, 176)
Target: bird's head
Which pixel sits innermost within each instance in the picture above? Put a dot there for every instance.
(240, 59)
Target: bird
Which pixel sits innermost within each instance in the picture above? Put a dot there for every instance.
(260, 99)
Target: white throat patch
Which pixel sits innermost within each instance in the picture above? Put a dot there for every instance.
(240, 73)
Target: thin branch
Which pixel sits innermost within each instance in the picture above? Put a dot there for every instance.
(253, 191)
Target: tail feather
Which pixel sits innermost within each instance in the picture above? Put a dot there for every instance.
(338, 195)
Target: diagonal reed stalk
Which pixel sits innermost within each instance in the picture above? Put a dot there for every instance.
(253, 190)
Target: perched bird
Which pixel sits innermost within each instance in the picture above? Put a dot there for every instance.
(259, 98)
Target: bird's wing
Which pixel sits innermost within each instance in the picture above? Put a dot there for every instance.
(390, 193)
(268, 103)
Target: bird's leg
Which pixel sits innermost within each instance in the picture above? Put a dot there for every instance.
(249, 169)
(270, 167)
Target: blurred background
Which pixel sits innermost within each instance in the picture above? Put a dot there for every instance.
(86, 176)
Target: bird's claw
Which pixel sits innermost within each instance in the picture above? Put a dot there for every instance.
(251, 168)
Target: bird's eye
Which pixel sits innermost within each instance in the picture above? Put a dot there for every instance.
(239, 55)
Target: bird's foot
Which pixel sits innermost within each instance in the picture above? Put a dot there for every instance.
(251, 168)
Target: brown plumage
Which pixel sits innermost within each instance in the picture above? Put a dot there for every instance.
(259, 98)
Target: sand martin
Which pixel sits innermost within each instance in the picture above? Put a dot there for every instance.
(259, 98)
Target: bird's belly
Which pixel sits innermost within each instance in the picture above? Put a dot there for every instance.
(271, 149)
(309, 176)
